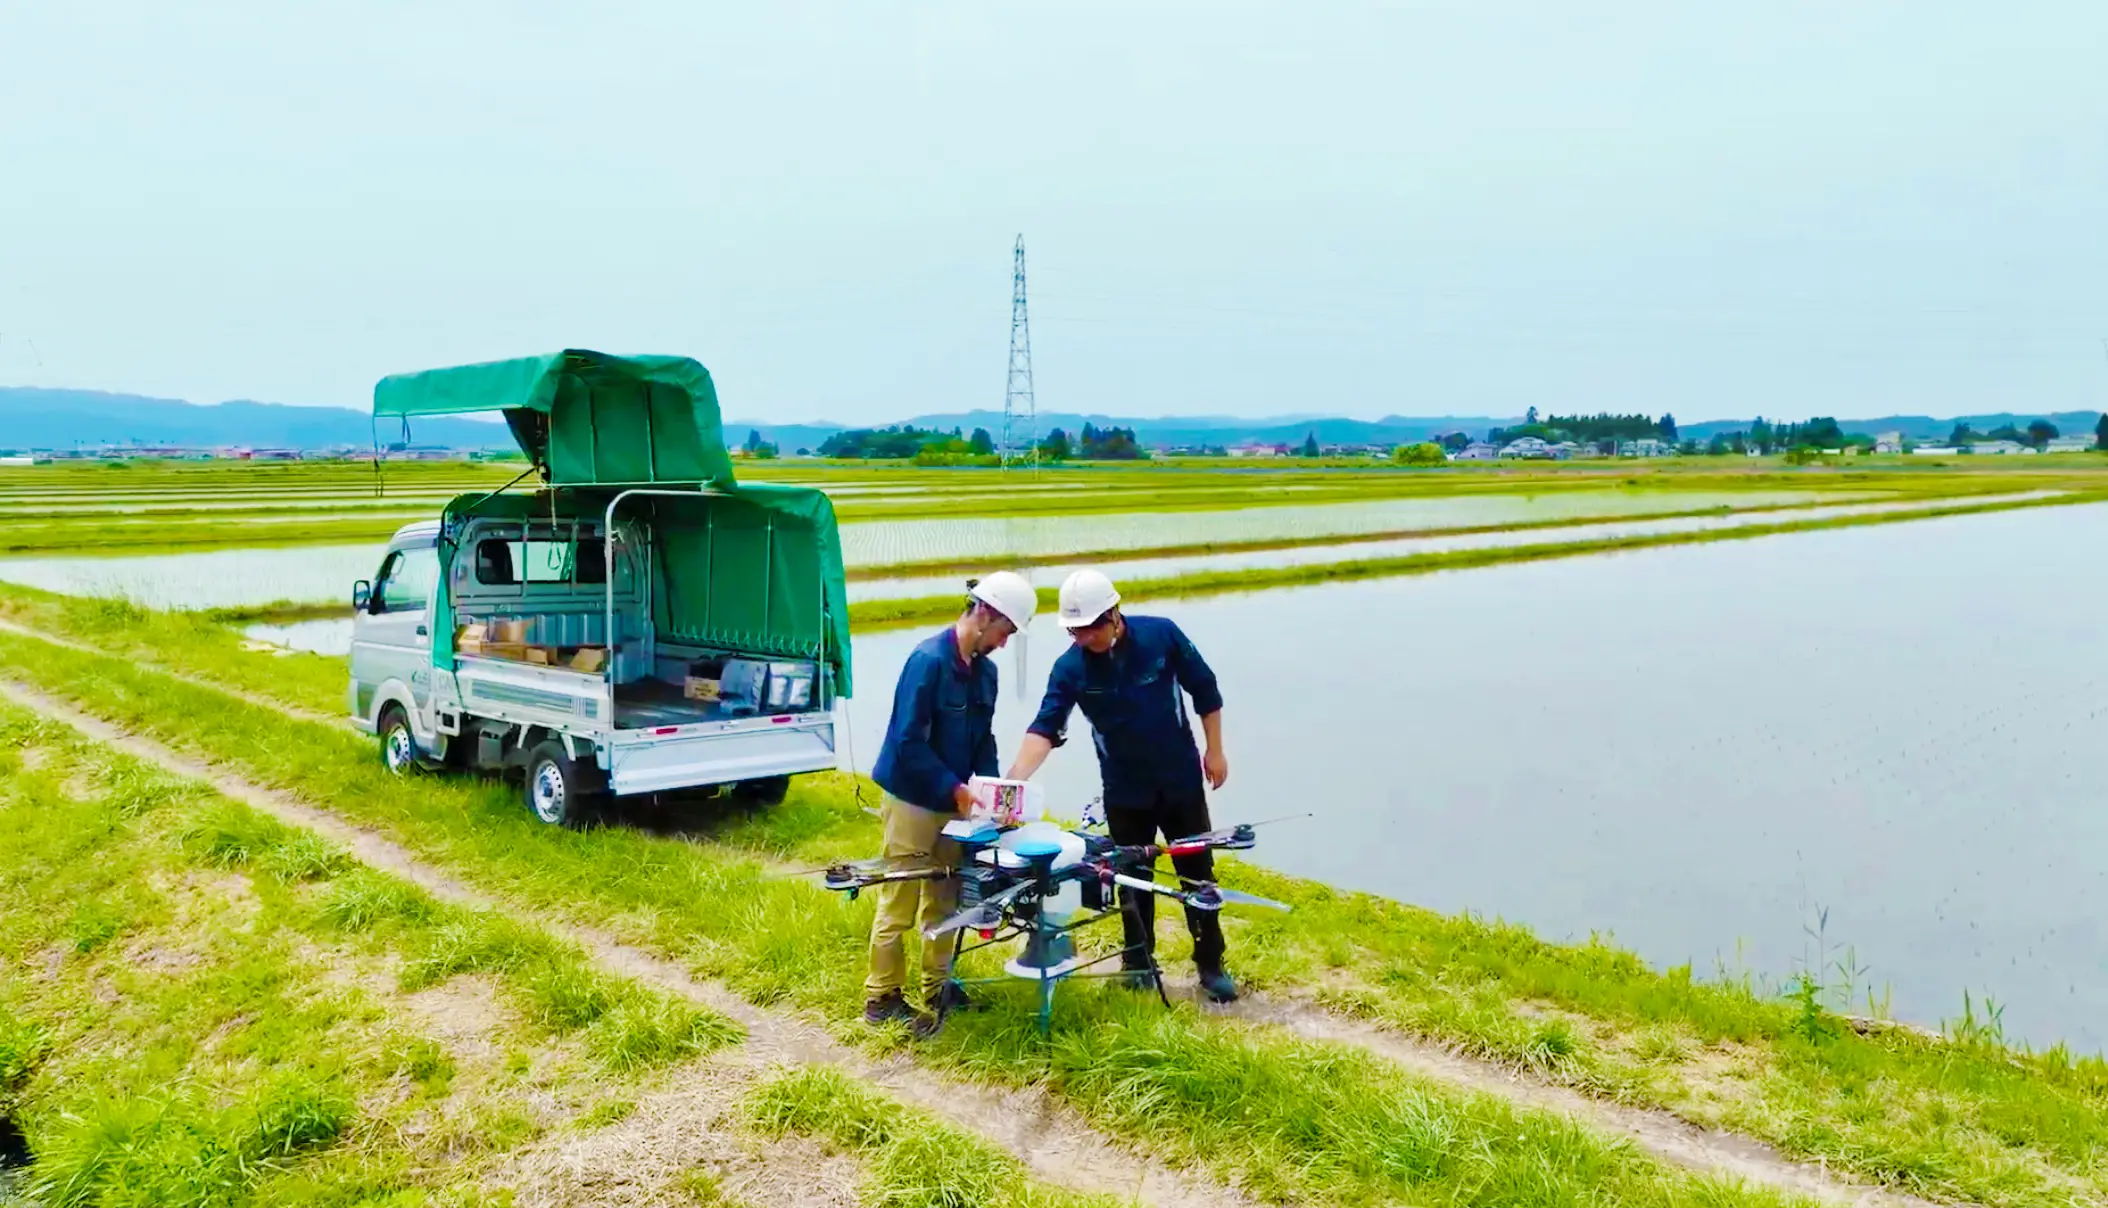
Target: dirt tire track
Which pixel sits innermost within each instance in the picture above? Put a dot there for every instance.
(248, 698)
(1056, 1145)
(1663, 1134)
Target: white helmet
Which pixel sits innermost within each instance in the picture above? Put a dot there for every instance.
(1009, 594)
(1086, 596)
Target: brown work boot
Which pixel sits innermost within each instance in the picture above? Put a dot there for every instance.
(925, 1026)
(889, 1007)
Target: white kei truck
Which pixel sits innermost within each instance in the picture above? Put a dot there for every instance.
(636, 622)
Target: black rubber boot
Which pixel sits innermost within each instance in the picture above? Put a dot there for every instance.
(1218, 985)
(950, 997)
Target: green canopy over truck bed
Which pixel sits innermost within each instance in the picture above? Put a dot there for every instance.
(750, 567)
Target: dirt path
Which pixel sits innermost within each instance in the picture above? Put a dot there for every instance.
(1660, 1133)
(1056, 1145)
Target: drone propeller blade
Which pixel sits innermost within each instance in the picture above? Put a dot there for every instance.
(986, 915)
(1240, 898)
(862, 873)
(874, 865)
(1207, 895)
(979, 918)
(1239, 836)
(1235, 897)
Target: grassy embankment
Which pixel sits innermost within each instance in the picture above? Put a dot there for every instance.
(1967, 1117)
(208, 1007)
(1290, 1120)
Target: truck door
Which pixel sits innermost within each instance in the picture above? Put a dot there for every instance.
(393, 640)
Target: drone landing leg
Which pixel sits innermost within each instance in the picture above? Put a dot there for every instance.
(1156, 974)
(1046, 1007)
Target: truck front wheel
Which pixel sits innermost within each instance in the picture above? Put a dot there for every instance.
(558, 786)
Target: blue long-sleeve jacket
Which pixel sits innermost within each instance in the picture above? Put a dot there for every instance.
(1130, 695)
(943, 727)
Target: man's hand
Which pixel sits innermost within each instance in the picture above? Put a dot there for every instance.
(1031, 753)
(1216, 767)
(962, 799)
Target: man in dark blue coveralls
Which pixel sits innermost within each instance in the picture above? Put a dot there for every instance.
(1126, 674)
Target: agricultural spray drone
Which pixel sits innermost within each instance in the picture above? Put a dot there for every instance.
(1041, 883)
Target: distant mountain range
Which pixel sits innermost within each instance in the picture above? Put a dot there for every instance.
(36, 418)
(32, 418)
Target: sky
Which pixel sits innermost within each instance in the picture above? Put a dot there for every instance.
(1789, 208)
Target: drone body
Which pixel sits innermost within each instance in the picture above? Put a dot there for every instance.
(1041, 883)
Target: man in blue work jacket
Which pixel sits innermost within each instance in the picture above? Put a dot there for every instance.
(1126, 674)
(941, 734)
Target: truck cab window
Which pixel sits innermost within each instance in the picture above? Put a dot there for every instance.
(406, 580)
(501, 562)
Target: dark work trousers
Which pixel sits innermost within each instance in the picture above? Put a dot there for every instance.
(1174, 816)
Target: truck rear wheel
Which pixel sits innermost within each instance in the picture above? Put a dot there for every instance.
(559, 789)
(398, 742)
(768, 791)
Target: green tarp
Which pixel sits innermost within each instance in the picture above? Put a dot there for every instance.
(584, 417)
(754, 568)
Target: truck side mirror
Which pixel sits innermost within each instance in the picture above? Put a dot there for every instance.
(361, 593)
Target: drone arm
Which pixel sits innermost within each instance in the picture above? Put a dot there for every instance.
(1121, 878)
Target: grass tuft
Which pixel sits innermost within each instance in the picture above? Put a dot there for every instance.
(468, 945)
(365, 899)
(565, 996)
(231, 835)
(643, 1032)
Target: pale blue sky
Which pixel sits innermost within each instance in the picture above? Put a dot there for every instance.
(1788, 207)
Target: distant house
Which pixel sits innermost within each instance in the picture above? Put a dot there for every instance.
(25, 459)
(1477, 450)
(1535, 448)
(2070, 444)
(1255, 449)
(1935, 450)
(1998, 448)
(1889, 442)
(1646, 447)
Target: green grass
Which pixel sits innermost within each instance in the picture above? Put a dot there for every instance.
(1979, 1122)
(911, 1159)
(1245, 1098)
(229, 1035)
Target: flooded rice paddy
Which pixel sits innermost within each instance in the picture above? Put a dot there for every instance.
(234, 578)
(1396, 547)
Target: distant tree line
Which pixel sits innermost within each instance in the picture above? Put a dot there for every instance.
(2037, 434)
(907, 441)
(1093, 444)
(1602, 429)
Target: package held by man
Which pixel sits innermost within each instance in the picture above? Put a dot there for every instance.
(1005, 802)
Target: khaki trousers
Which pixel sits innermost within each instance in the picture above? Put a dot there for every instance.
(912, 833)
